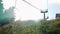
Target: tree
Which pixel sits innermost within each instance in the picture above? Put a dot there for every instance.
(7, 16)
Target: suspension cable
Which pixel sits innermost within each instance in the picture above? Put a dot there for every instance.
(31, 5)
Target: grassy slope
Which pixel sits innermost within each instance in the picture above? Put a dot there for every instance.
(30, 27)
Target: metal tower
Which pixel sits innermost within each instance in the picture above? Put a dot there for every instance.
(38, 9)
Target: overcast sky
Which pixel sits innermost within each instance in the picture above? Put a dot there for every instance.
(26, 12)
(54, 8)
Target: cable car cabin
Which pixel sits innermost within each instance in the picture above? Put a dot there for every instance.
(57, 16)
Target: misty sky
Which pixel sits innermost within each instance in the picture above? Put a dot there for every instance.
(26, 12)
(54, 7)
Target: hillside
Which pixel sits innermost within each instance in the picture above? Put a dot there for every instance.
(30, 27)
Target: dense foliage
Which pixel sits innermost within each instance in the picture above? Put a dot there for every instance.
(6, 16)
(50, 27)
(41, 27)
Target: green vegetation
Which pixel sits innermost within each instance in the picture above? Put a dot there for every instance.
(6, 16)
(50, 27)
(42, 27)
(6, 29)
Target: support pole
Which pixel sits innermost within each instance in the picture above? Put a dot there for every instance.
(44, 15)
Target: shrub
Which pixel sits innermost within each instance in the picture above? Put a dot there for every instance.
(50, 27)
